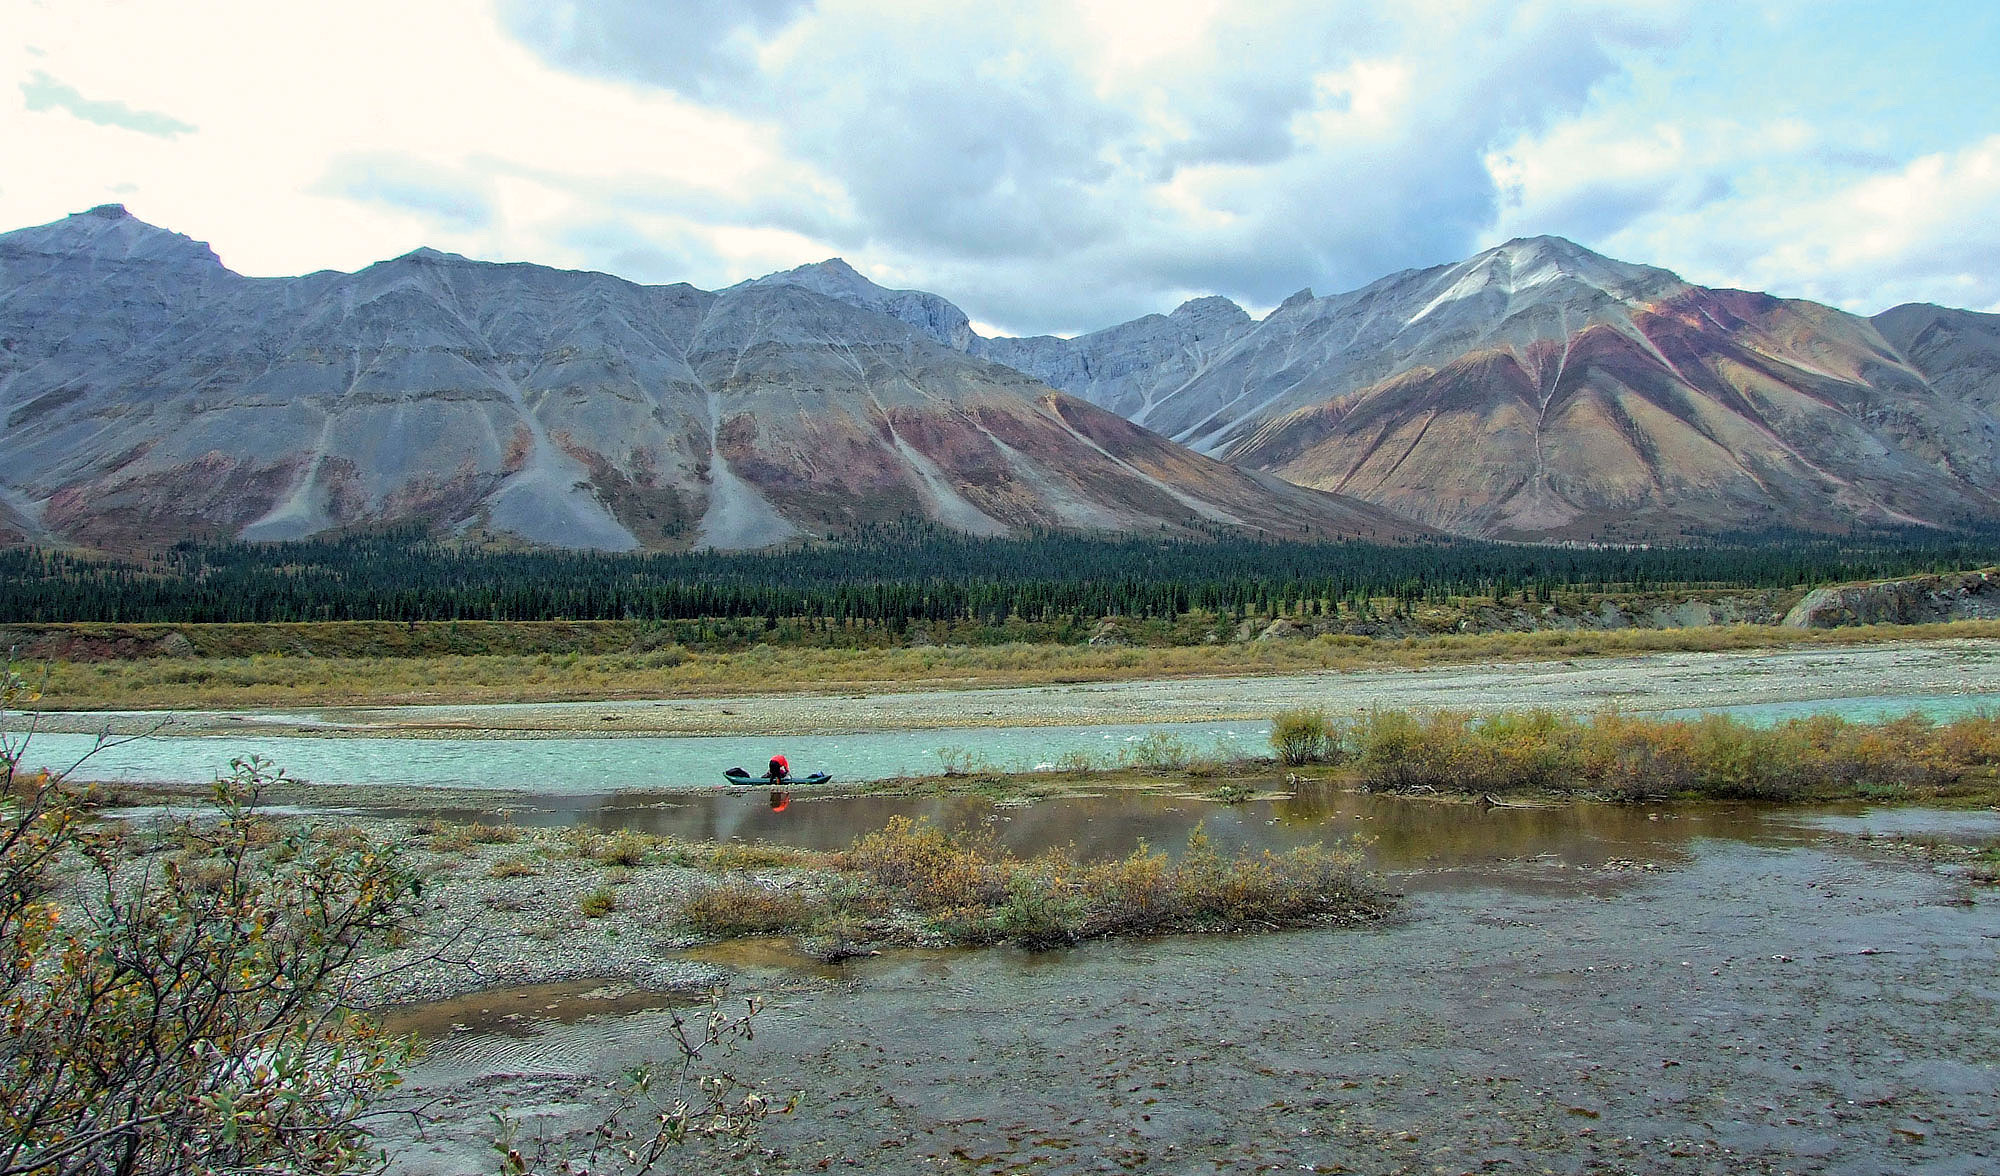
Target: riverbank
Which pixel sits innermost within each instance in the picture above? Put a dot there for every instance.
(1965, 662)
(286, 682)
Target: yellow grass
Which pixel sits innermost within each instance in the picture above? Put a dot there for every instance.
(274, 680)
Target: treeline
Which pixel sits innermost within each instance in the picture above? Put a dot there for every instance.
(912, 573)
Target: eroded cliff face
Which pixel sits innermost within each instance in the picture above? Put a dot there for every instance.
(1961, 596)
(149, 394)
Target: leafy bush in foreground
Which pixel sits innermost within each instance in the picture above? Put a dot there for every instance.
(184, 1013)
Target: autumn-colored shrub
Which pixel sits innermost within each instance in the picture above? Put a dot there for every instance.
(739, 907)
(1627, 757)
(927, 867)
(187, 1016)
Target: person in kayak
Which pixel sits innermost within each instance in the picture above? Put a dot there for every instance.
(779, 770)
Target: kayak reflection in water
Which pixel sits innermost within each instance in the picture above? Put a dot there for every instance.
(780, 800)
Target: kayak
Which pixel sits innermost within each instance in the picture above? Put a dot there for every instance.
(739, 776)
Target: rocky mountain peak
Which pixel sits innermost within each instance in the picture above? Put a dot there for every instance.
(109, 232)
(834, 278)
(424, 254)
(1212, 309)
(1524, 263)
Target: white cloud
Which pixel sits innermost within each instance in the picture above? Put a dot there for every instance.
(1049, 165)
(337, 135)
(1926, 232)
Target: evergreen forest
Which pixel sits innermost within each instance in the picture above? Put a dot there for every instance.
(910, 573)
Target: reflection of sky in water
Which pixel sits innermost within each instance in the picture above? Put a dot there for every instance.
(590, 765)
(1898, 821)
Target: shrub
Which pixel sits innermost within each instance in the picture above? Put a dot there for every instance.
(928, 868)
(1134, 894)
(1161, 751)
(598, 903)
(1076, 762)
(1820, 756)
(1422, 751)
(514, 868)
(1041, 910)
(454, 838)
(625, 848)
(1304, 737)
(186, 1017)
(740, 907)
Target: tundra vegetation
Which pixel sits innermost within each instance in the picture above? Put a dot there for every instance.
(1616, 756)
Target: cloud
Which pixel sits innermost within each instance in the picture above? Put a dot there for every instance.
(694, 47)
(1590, 178)
(1064, 164)
(1771, 206)
(1925, 232)
(1050, 165)
(43, 93)
(453, 198)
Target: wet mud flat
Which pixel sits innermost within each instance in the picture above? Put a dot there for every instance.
(1789, 1003)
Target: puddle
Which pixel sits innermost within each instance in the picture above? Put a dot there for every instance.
(1394, 833)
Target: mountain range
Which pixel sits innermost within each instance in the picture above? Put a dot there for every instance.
(149, 394)
(1536, 391)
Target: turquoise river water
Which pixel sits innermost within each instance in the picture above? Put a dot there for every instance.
(558, 766)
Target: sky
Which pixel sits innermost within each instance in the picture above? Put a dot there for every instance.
(1050, 167)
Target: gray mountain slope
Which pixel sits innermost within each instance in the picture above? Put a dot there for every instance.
(147, 393)
(1131, 368)
(1541, 391)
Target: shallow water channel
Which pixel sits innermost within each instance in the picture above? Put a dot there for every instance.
(1578, 988)
(583, 765)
